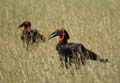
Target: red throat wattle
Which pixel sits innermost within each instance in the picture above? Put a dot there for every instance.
(61, 37)
(26, 29)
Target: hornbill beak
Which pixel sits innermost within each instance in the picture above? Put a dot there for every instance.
(54, 34)
(21, 25)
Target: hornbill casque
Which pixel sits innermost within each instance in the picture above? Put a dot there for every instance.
(29, 35)
(72, 52)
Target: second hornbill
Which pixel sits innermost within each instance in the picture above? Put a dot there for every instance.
(30, 35)
(72, 52)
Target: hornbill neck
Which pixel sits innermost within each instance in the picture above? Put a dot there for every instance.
(26, 29)
(62, 40)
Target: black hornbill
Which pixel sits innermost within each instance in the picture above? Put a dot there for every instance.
(72, 52)
(29, 35)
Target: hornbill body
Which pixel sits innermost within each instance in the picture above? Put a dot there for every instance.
(72, 52)
(29, 35)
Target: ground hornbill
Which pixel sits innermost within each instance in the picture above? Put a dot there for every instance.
(30, 36)
(72, 52)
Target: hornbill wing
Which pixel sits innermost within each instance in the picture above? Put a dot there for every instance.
(68, 49)
(79, 48)
(65, 50)
(93, 56)
(90, 54)
(36, 36)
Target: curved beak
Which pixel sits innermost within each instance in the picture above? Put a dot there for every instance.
(21, 25)
(54, 34)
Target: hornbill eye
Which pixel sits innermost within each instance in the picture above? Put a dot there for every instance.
(54, 34)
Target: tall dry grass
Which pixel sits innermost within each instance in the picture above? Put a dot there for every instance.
(94, 23)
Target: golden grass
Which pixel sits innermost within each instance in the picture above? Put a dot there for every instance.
(94, 23)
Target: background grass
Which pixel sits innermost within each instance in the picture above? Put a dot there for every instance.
(94, 23)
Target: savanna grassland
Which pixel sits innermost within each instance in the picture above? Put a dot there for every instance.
(94, 23)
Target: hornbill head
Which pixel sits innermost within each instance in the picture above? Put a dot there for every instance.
(62, 33)
(26, 25)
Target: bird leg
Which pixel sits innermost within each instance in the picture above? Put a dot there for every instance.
(82, 58)
(66, 62)
(27, 43)
(61, 59)
(70, 61)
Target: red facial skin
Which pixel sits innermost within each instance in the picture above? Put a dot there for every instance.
(61, 37)
(26, 29)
